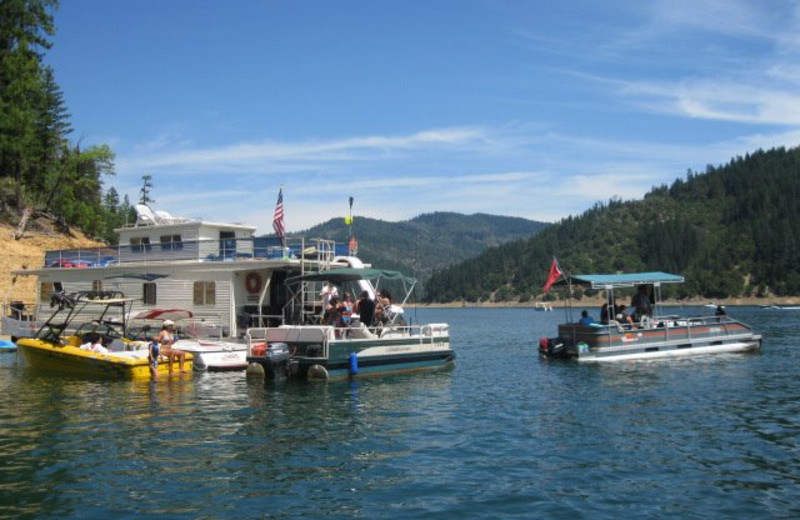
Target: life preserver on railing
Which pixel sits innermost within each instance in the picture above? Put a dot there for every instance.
(253, 283)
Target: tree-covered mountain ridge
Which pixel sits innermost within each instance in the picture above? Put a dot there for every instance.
(732, 231)
(428, 242)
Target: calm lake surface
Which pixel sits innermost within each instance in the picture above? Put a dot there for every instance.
(501, 435)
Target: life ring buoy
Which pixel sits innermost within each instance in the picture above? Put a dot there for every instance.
(253, 283)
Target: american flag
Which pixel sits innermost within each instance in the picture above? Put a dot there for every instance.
(277, 220)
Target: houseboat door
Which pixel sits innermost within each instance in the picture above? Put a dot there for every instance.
(227, 244)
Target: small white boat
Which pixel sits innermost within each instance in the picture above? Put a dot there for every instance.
(215, 356)
(543, 307)
(209, 354)
(655, 336)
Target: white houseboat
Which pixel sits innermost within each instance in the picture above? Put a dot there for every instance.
(228, 279)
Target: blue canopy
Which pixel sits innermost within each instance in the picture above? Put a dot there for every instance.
(611, 281)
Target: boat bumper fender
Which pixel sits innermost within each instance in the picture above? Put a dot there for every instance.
(353, 363)
(255, 370)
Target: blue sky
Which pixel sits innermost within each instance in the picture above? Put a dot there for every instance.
(517, 108)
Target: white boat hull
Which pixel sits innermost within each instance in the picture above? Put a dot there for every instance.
(744, 346)
(215, 356)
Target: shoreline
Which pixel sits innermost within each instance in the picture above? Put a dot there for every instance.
(597, 302)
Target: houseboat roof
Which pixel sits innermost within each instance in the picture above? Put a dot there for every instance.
(610, 281)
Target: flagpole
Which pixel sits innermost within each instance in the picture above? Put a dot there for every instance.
(568, 299)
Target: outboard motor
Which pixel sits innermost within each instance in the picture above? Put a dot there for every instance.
(544, 346)
(552, 348)
(277, 361)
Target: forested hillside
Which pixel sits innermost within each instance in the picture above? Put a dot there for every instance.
(731, 231)
(428, 242)
(42, 172)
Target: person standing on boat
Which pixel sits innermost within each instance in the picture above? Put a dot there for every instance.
(166, 338)
(382, 314)
(623, 317)
(604, 314)
(365, 308)
(332, 311)
(346, 310)
(641, 304)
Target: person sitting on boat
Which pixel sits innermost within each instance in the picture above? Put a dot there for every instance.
(365, 308)
(720, 313)
(95, 344)
(586, 320)
(623, 317)
(166, 339)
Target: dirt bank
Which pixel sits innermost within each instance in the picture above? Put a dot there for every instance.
(28, 253)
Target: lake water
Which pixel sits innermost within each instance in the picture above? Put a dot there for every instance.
(501, 435)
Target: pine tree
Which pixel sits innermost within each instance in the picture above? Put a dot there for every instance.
(25, 26)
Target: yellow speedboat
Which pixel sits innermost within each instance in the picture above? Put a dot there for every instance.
(57, 344)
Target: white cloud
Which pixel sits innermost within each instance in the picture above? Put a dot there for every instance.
(261, 154)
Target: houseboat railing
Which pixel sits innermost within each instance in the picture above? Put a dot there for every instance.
(210, 250)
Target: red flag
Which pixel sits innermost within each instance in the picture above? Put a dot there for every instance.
(277, 220)
(555, 273)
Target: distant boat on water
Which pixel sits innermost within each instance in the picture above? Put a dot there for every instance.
(657, 335)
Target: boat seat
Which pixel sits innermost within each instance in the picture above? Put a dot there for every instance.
(361, 332)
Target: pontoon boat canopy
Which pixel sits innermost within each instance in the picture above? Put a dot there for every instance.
(610, 281)
(349, 274)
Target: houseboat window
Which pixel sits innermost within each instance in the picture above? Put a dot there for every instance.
(205, 293)
(149, 293)
(97, 285)
(171, 243)
(140, 244)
